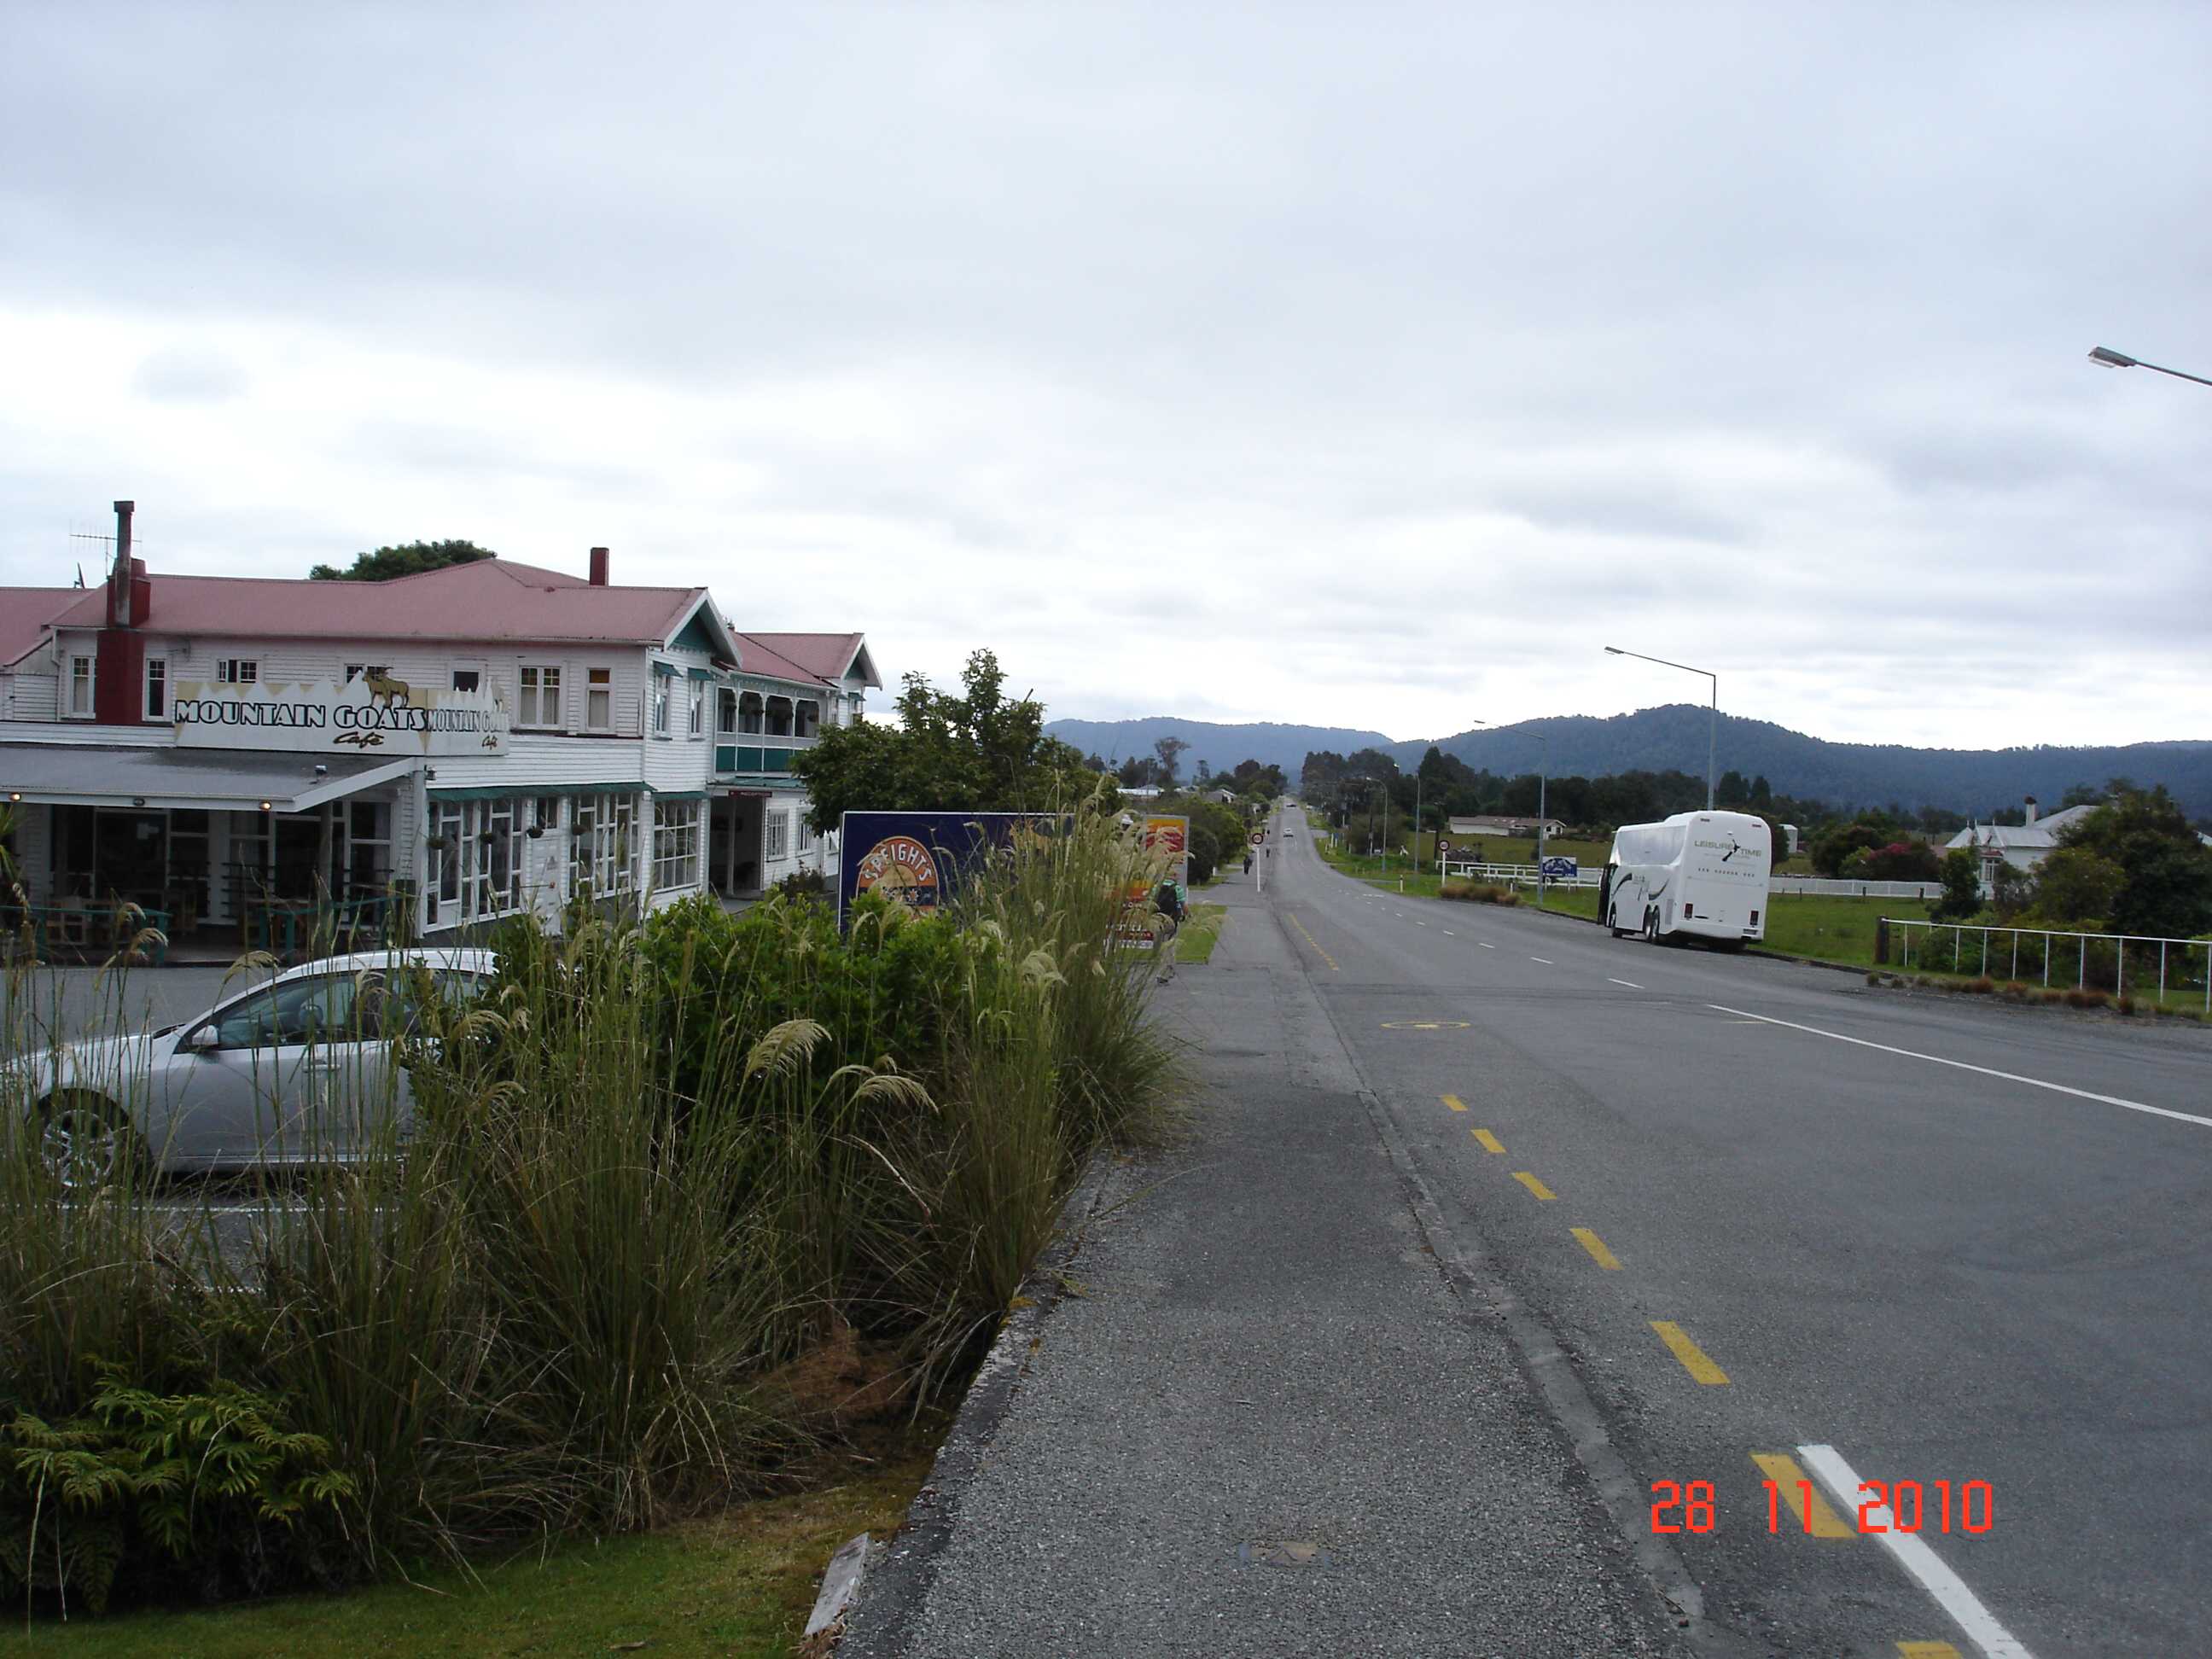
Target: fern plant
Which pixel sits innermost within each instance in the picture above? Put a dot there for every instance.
(206, 1490)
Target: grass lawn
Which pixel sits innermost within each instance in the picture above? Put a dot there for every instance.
(740, 1583)
(1195, 941)
(1831, 929)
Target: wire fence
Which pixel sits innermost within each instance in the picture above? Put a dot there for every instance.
(2125, 963)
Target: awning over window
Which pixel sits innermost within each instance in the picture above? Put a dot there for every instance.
(517, 791)
(215, 780)
(665, 670)
(699, 673)
(677, 795)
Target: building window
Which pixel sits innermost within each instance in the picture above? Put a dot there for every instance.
(477, 870)
(541, 696)
(467, 679)
(79, 689)
(725, 712)
(236, 671)
(805, 833)
(779, 717)
(675, 844)
(598, 699)
(660, 684)
(809, 719)
(749, 712)
(779, 835)
(548, 811)
(601, 843)
(375, 670)
(698, 708)
(157, 688)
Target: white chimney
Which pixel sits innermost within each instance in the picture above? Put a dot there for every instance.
(2031, 809)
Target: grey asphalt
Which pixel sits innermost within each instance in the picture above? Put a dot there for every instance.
(1944, 1274)
(1264, 1421)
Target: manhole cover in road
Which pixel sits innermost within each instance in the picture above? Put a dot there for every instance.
(1425, 1026)
(1283, 1553)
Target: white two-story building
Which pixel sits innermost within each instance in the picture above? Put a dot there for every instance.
(251, 757)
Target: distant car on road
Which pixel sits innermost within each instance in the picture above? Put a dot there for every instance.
(296, 1070)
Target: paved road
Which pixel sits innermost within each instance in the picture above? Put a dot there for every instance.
(1900, 1225)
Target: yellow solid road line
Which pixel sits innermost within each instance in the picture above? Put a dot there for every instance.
(1455, 1102)
(1928, 1650)
(1315, 943)
(1534, 1185)
(1595, 1246)
(1792, 1482)
(1691, 1356)
(1486, 1140)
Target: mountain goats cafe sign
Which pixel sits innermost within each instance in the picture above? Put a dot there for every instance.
(374, 715)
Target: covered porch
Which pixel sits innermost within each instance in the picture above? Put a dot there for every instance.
(218, 852)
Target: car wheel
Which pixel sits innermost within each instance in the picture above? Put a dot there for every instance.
(85, 1141)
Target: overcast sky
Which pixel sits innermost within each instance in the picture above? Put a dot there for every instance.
(1362, 365)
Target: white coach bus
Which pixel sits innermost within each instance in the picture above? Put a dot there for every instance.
(1702, 873)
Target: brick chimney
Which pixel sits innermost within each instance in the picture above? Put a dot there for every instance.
(2030, 810)
(118, 670)
(599, 566)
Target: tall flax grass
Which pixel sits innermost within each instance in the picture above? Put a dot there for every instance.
(653, 1166)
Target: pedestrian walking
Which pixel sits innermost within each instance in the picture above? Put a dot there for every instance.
(1170, 900)
(1247, 861)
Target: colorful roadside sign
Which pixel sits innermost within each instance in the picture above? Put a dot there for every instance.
(1561, 869)
(1167, 840)
(920, 858)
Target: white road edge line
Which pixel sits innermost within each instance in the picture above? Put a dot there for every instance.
(1630, 983)
(1948, 1590)
(1986, 1070)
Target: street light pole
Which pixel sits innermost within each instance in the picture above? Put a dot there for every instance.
(1713, 742)
(2105, 358)
(1543, 785)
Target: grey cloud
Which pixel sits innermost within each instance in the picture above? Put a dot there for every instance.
(190, 375)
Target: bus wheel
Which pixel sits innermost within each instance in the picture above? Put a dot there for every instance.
(1613, 921)
(1651, 924)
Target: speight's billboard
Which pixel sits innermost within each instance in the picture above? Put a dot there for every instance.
(919, 857)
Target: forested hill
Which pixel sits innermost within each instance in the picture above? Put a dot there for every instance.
(1844, 775)
(1221, 747)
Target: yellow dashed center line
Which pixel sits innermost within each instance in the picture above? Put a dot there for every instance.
(1928, 1650)
(1534, 1185)
(1691, 1356)
(1486, 1140)
(1595, 1246)
(1315, 943)
(1455, 1102)
(1792, 1483)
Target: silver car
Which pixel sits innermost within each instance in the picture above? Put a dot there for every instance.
(296, 1070)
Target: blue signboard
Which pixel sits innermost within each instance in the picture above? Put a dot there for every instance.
(1561, 869)
(917, 858)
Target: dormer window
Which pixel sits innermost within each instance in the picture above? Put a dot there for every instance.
(80, 685)
(237, 670)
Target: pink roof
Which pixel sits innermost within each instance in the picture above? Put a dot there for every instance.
(25, 613)
(490, 600)
(823, 657)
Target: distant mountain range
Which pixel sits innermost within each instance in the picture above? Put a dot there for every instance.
(1846, 774)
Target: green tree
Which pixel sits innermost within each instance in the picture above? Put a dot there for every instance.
(1833, 847)
(975, 752)
(1962, 886)
(2076, 884)
(2166, 872)
(1170, 751)
(401, 559)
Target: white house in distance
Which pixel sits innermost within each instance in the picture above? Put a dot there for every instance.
(2023, 845)
(1505, 826)
(247, 756)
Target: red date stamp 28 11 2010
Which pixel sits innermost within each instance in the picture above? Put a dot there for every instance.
(1884, 1506)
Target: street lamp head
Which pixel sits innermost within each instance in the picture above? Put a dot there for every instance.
(1614, 651)
(2111, 359)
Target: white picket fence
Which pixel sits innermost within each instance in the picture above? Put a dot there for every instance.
(2016, 953)
(1823, 886)
(1516, 875)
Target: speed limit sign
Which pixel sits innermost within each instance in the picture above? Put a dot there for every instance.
(1259, 838)
(1442, 847)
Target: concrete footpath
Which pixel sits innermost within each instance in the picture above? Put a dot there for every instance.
(1260, 1421)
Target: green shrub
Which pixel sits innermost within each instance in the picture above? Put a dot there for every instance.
(206, 1492)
